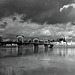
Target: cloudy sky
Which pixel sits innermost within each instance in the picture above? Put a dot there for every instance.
(37, 17)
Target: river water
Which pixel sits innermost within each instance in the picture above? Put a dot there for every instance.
(57, 61)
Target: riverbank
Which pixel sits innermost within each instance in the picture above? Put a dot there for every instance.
(64, 46)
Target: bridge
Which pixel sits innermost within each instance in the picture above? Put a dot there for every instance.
(35, 45)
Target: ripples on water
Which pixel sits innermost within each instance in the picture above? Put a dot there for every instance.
(64, 51)
(68, 54)
(59, 51)
(57, 61)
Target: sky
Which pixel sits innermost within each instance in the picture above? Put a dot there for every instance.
(37, 17)
(38, 10)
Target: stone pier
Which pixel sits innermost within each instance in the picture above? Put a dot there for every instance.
(20, 47)
(36, 48)
(46, 47)
(27, 50)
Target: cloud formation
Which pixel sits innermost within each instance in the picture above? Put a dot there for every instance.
(28, 28)
(37, 10)
(67, 6)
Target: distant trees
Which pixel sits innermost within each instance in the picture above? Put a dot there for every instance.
(61, 39)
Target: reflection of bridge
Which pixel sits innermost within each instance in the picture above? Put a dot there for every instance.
(24, 44)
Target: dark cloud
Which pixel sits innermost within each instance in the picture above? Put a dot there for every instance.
(17, 27)
(37, 10)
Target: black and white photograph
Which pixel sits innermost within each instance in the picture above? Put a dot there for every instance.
(37, 37)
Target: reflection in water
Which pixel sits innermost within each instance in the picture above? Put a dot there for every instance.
(56, 54)
(64, 51)
(49, 63)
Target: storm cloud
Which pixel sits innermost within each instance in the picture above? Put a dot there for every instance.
(18, 27)
(37, 10)
(37, 17)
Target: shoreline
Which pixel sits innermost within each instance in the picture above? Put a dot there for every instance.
(64, 46)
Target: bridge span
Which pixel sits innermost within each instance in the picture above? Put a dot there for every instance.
(21, 45)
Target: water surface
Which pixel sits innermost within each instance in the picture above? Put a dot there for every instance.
(57, 61)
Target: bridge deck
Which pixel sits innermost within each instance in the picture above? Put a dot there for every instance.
(20, 43)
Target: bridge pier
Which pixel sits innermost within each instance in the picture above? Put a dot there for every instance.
(27, 49)
(20, 49)
(11, 49)
(36, 48)
(46, 47)
(51, 45)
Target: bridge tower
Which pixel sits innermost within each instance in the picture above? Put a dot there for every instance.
(36, 46)
(20, 40)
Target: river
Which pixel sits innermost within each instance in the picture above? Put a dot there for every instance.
(57, 61)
